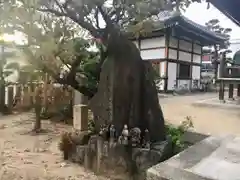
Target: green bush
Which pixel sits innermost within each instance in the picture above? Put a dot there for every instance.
(176, 133)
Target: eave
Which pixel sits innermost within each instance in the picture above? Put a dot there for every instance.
(228, 7)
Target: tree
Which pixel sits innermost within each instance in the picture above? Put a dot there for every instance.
(135, 99)
(214, 26)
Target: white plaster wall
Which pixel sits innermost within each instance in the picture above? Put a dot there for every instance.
(173, 42)
(153, 54)
(184, 45)
(184, 56)
(197, 48)
(153, 42)
(162, 68)
(172, 74)
(172, 54)
(196, 58)
(184, 84)
(196, 72)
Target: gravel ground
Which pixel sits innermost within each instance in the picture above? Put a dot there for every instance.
(206, 120)
(30, 157)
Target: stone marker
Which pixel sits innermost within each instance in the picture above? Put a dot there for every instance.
(80, 117)
(80, 112)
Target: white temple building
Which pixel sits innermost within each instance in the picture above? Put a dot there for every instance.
(176, 51)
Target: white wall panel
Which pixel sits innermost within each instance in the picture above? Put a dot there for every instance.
(153, 54)
(153, 42)
(184, 45)
(184, 56)
(173, 42)
(197, 48)
(162, 69)
(196, 58)
(172, 74)
(196, 72)
(172, 54)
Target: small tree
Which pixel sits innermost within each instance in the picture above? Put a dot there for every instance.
(214, 26)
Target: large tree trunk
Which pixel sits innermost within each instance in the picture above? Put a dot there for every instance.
(127, 93)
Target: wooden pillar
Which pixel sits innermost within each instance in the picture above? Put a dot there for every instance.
(230, 91)
(215, 63)
(221, 91)
(238, 90)
(222, 65)
(221, 75)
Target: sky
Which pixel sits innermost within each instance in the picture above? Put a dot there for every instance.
(197, 12)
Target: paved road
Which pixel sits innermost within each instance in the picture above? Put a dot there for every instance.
(206, 120)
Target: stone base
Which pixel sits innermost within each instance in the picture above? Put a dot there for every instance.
(215, 158)
(99, 156)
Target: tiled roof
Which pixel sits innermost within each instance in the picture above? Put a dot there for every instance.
(175, 19)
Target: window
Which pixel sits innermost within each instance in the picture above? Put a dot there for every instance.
(184, 71)
(207, 67)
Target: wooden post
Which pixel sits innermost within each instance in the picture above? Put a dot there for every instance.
(230, 91)
(99, 153)
(238, 90)
(221, 75)
(221, 91)
(222, 65)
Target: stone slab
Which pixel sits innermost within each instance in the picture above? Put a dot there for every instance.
(214, 158)
(80, 117)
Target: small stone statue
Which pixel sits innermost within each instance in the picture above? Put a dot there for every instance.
(146, 140)
(135, 134)
(103, 132)
(123, 139)
(112, 134)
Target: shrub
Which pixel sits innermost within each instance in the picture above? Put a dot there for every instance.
(176, 133)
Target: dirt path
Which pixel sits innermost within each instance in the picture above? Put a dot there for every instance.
(29, 157)
(211, 121)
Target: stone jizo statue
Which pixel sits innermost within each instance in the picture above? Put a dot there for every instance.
(135, 134)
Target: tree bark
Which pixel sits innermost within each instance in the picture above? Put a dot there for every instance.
(132, 91)
(37, 108)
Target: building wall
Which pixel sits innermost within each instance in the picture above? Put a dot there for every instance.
(172, 76)
(152, 48)
(170, 55)
(183, 52)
